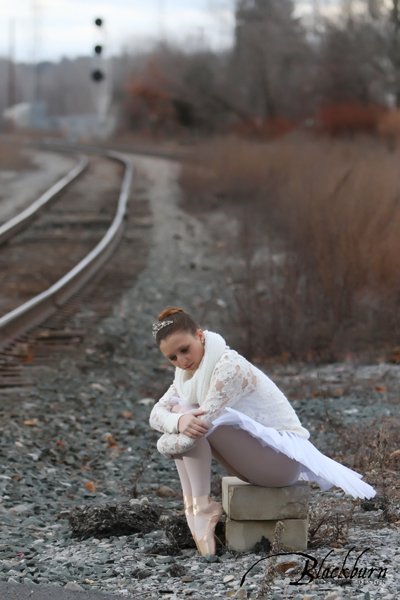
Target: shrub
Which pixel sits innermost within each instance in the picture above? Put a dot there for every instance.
(349, 118)
(315, 263)
(264, 129)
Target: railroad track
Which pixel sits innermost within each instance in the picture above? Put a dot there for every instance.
(60, 279)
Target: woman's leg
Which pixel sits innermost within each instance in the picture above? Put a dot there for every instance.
(197, 463)
(186, 491)
(259, 464)
(242, 455)
(194, 469)
(183, 476)
(227, 466)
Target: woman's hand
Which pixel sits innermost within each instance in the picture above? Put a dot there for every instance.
(191, 425)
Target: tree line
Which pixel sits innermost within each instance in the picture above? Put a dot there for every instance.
(280, 70)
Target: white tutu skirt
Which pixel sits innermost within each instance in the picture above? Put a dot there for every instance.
(314, 466)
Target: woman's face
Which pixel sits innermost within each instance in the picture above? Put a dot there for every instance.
(184, 350)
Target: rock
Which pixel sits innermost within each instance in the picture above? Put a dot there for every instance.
(164, 549)
(99, 387)
(176, 570)
(141, 573)
(211, 558)
(113, 518)
(20, 508)
(147, 401)
(13, 573)
(165, 559)
(376, 503)
(165, 492)
(242, 536)
(228, 578)
(71, 585)
(245, 502)
(241, 593)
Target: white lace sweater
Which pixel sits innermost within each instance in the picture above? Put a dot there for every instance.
(235, 383)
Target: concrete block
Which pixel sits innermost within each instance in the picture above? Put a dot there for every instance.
(244, 502)
(242, 536)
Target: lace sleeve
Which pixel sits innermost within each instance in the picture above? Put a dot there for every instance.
(161, 417)
(232, 378)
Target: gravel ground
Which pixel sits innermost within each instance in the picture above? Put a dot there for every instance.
(80, 437)
(19, 189)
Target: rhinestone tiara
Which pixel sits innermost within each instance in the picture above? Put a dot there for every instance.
(159, 325)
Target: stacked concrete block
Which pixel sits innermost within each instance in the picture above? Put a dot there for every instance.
(253, 511)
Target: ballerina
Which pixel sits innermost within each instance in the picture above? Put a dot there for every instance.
(223, 406)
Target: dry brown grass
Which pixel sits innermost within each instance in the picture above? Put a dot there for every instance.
(389, 127)
(319, 244)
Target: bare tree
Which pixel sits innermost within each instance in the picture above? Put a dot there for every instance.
(269, 57)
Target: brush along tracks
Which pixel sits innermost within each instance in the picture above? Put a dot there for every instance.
(72, 240)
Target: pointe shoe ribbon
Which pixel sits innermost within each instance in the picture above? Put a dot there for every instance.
(212, 511)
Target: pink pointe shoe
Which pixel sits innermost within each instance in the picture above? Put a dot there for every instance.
(188, 504)
(212, 512)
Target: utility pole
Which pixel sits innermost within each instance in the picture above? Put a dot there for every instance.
(161, 20)
(11, 64)
(36, 42)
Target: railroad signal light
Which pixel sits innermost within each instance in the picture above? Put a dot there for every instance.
(97, 75)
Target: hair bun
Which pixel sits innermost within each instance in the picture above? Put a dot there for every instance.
(170, 310)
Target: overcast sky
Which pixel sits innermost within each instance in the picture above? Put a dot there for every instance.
(66, 27)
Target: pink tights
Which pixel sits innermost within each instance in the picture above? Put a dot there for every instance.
(240, 454)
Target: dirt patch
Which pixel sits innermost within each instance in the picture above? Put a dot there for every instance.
(21, 185)
(113, 519)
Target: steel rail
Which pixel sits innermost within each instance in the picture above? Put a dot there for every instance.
(40, 307)
(11, 227)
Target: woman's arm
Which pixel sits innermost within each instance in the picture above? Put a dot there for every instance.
(161, 417)
(231, 380)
